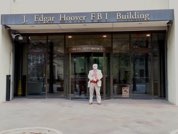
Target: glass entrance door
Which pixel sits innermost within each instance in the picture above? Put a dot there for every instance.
(78, 76)
(142, 76)
(80, 65)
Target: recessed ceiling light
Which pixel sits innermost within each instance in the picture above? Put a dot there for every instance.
(104, 36)
(147, 35)
(70, 36)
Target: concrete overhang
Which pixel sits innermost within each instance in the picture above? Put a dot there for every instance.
(90, 27)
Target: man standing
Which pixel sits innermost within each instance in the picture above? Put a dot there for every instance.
(94, 83)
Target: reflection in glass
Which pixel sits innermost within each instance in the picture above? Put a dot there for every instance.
(120, 43)
(141, 76)
(140, 40)
(55, 66)
(79, 78)
(121, 72)
(36, 66)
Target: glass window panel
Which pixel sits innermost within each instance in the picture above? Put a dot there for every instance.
(36, 65)
(120, 42)
(55, 66)
(141, 40)
(58, 42)
(121, 73)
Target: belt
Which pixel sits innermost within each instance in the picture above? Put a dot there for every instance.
(92, 81)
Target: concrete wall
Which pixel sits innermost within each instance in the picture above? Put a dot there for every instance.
(5, 52)
(173, 57)
(55, 6)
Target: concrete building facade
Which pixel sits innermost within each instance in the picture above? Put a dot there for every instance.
(71, 27)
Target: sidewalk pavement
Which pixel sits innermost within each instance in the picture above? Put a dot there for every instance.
(115, 116)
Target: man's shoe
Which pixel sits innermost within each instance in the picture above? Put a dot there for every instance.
(99, 103)
(90, 103)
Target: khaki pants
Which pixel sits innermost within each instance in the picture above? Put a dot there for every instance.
(93, 87)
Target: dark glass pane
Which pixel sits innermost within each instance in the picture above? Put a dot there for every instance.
(121, 73)
(36, 65)
(139, 40)
(55, 66)
(142, 74)
(120, 43)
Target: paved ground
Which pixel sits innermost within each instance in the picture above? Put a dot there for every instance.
(116, 116)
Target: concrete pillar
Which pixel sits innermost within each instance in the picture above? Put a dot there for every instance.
(5, 51)
(172, 56)
(5, 61)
